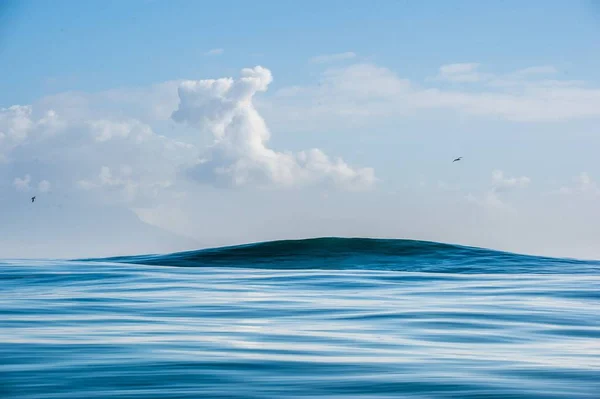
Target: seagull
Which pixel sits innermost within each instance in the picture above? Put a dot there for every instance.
(457, 159)
(33, 198)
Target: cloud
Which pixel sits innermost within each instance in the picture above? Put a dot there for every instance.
(18, 124)
(126, 184)
(469, 73)
(500, 183)
(121, 147)
(328, 58)
(150, 104)
(215, 51)
(364, 80)
(462, 73)
(73, 151)
(22, 184)
(361, 95)
(489, 200)
(240, 155)
(44, 186)
(582, 184)
(537, 70)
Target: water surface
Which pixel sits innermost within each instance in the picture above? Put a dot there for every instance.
(335, 318)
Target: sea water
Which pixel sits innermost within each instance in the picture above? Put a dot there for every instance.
(332, 317)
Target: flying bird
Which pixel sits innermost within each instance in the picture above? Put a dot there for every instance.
(32, 198)
(457, 159)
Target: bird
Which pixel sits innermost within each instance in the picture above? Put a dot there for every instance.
(33, 198)
(457, 159)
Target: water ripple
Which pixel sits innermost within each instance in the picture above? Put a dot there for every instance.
(104, 329)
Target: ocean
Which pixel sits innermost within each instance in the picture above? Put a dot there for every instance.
(329, 317)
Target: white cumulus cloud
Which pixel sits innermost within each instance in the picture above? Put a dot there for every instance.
(240, 154)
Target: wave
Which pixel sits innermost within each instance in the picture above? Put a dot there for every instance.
(333, 253)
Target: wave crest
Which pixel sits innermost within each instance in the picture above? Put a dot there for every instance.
(332, 253)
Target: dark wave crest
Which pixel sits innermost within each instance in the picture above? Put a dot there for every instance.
(363, 254)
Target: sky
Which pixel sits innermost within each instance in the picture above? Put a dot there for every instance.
(153, 126)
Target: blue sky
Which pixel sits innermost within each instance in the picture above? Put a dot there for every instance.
(396, 89)
(97, 45)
